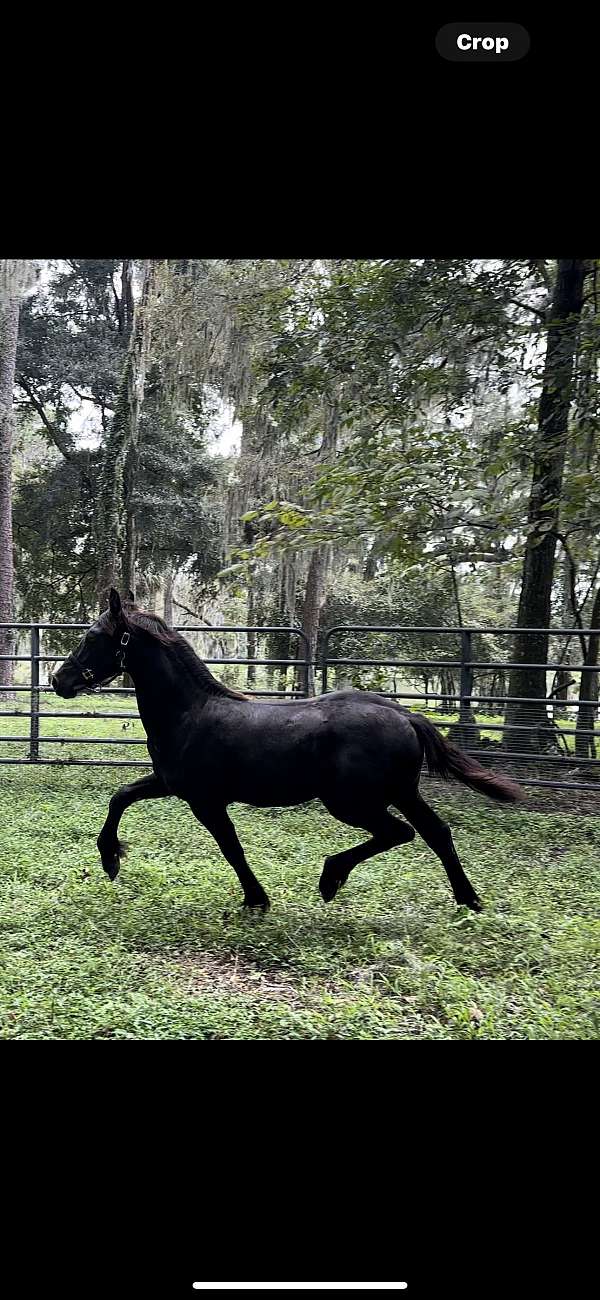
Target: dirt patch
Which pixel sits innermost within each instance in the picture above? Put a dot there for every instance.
(227, 973)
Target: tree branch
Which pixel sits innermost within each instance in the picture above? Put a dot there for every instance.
(117, 304)
(86, 397)
(537, 311)
(64, 445)
(194, 613)
(59, 441)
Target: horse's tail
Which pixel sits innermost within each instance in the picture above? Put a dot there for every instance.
(448, 761)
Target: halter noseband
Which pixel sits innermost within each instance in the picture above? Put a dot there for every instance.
(87, 673)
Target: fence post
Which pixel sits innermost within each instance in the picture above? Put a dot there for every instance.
(34, 721)
(307, 664)
(465, 718)
(324, 663)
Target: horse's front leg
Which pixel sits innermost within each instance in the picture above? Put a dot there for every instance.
(110, 847)
(222, 829)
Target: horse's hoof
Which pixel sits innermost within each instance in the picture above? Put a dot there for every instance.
(328, 889)
(110, 855)
(473, 902)
(257, 904)
(330, 884)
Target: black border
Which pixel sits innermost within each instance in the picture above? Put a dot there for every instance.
(465, 1175)
(329, 138)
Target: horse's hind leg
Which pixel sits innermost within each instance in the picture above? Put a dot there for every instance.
(437, 835)
(387, 832)
(222, 829)
(109, 845)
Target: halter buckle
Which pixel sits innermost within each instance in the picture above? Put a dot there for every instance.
(87, 674)
(125, 638)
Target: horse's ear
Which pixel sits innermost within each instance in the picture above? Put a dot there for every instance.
(130, 598)
(114, 602)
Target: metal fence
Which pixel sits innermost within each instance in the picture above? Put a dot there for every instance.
(541, 748)
(541, 741)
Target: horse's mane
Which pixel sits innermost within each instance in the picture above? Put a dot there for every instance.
(156, 628)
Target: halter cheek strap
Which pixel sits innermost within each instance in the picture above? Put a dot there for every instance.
(121, 651)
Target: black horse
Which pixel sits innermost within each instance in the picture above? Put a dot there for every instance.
(356, 751)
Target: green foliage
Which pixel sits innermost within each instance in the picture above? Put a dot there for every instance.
(421, 357)
(177, 509)
(434, 368)
(73, 346)
(54, 543)
(70, 343)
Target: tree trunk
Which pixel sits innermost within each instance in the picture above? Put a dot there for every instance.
(126, 305)
(314, 596)
(562, 676)
(115, 518)
(168, 597)
(544, 501)
(280, 644)
(585, 746)
(465, 732)
(130, 552)
(250, 636)
(9, 329)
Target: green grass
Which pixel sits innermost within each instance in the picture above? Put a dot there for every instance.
(167, 952)
(68, 728)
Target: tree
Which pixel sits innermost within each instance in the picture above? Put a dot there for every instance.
(72, 346)
(408, 347)
(54, 543)
(17, 279)
(178, 492)
(545, 496)
(314, 595)
(211, 330)
(73, 353)
(411, 344)
(115, 523)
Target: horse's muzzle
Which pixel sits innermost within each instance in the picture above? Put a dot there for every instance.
(61, 690)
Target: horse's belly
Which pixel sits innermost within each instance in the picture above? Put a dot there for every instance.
(274, 790)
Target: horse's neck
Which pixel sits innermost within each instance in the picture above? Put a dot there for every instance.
(164, 693)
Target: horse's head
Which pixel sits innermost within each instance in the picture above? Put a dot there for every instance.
(100, 655)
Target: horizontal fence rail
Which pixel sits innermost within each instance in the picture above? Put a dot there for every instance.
(550, 739)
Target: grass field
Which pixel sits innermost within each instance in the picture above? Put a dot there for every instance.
(167, 952)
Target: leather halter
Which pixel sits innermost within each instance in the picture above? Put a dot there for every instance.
(87, 673)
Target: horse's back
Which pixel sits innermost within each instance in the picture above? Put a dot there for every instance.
(270, 754)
